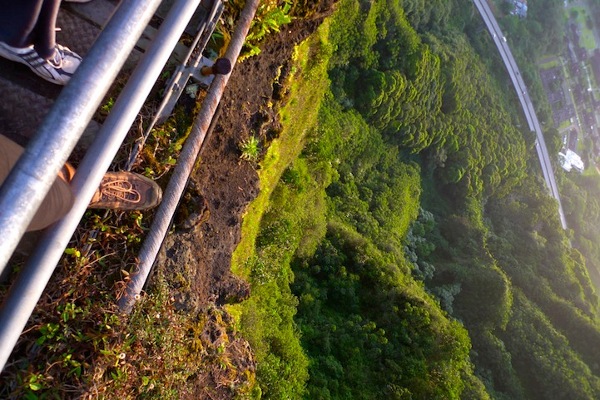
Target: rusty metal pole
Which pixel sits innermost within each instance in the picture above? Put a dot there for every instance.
(185, 164)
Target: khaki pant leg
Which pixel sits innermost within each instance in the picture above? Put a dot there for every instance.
(57, 202)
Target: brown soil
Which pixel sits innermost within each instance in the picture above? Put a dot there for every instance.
(223, 185)
(208, 224)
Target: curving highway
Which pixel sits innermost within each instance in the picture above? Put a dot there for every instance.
(521, 89)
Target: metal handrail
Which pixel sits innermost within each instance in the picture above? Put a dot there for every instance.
(177, 82)
(31, 178)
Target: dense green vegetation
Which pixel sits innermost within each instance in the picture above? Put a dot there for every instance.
(412, 241)
(581, 202)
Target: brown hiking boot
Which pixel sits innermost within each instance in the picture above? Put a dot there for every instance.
(126, 191)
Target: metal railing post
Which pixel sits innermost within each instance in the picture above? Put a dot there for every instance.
(185, 164)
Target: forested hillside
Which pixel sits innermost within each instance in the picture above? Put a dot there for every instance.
(412, 250)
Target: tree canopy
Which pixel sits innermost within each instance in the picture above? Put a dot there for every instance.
(428, 260)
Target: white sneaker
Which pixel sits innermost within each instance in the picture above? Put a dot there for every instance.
(58, 69)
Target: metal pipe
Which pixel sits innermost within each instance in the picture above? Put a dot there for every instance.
(185, 164)
(29, 286)
(31, 178)
(173, 87)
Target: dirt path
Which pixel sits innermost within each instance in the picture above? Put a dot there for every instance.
(208, 222)
(223, 185)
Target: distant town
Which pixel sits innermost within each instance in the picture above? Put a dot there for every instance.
(572, 85)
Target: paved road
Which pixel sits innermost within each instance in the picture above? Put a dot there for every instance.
(521, 89)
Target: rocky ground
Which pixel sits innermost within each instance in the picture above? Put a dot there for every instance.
(223, 185)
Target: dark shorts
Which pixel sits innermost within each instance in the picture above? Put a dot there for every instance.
(29, 22)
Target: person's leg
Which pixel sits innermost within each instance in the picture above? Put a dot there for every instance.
(30, 22)
(59, 199)
(28, 36)
(18, 21)
(44, 33)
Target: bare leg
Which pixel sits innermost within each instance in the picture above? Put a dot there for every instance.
(57, 202)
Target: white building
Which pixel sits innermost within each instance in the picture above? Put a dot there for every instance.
(569, 160)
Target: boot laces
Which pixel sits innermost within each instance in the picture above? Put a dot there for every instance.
(120, 189)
